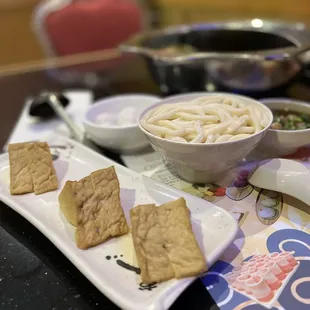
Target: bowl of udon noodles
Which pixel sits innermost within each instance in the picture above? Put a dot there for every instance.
(203, 135)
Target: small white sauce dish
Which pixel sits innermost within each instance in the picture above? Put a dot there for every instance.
(201, 162)
(112, 122)
(278, 142)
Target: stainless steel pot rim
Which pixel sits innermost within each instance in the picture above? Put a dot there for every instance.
(294, 32)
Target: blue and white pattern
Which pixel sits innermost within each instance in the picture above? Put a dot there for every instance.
(295, 294)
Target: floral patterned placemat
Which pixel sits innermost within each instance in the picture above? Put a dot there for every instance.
(268, 265)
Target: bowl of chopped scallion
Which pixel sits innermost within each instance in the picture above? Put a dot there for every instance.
(290, 129)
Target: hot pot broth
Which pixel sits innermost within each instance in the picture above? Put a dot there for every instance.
(175, 50)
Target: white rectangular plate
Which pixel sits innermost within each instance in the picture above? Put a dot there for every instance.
(108, 265)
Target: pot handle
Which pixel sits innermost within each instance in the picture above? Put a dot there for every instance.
(286, 53)
(301, 55)
(303, 49)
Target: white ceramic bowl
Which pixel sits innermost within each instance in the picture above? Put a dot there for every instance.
(284, 142)
(202, 163)
(122, 139)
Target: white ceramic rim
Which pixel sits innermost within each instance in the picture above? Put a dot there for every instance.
(204, 94)
(293, 102)
(111, 99)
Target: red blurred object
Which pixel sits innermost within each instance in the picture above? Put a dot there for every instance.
(220, 192)
(301, 154)
(66, 27)
(69, 27)
(86, 26)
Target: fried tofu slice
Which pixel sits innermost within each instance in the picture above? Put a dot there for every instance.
(73, 196)
(42, 170)
(20, 174)
(149, 245)
(180, 242)
(101, 216)
(93, 206)
(31, 168)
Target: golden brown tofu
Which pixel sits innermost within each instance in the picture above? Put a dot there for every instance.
(73, 196)
(20, 174)
(93, 205)
(183, 250)
(31, 168)
(149, 245)
(42, 170)
(66, 203)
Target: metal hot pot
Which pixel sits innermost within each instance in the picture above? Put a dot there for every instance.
(254, 55)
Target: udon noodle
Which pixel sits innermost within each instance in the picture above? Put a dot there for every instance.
(210, 119)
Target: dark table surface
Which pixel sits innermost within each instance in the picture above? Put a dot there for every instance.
(34, 274)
